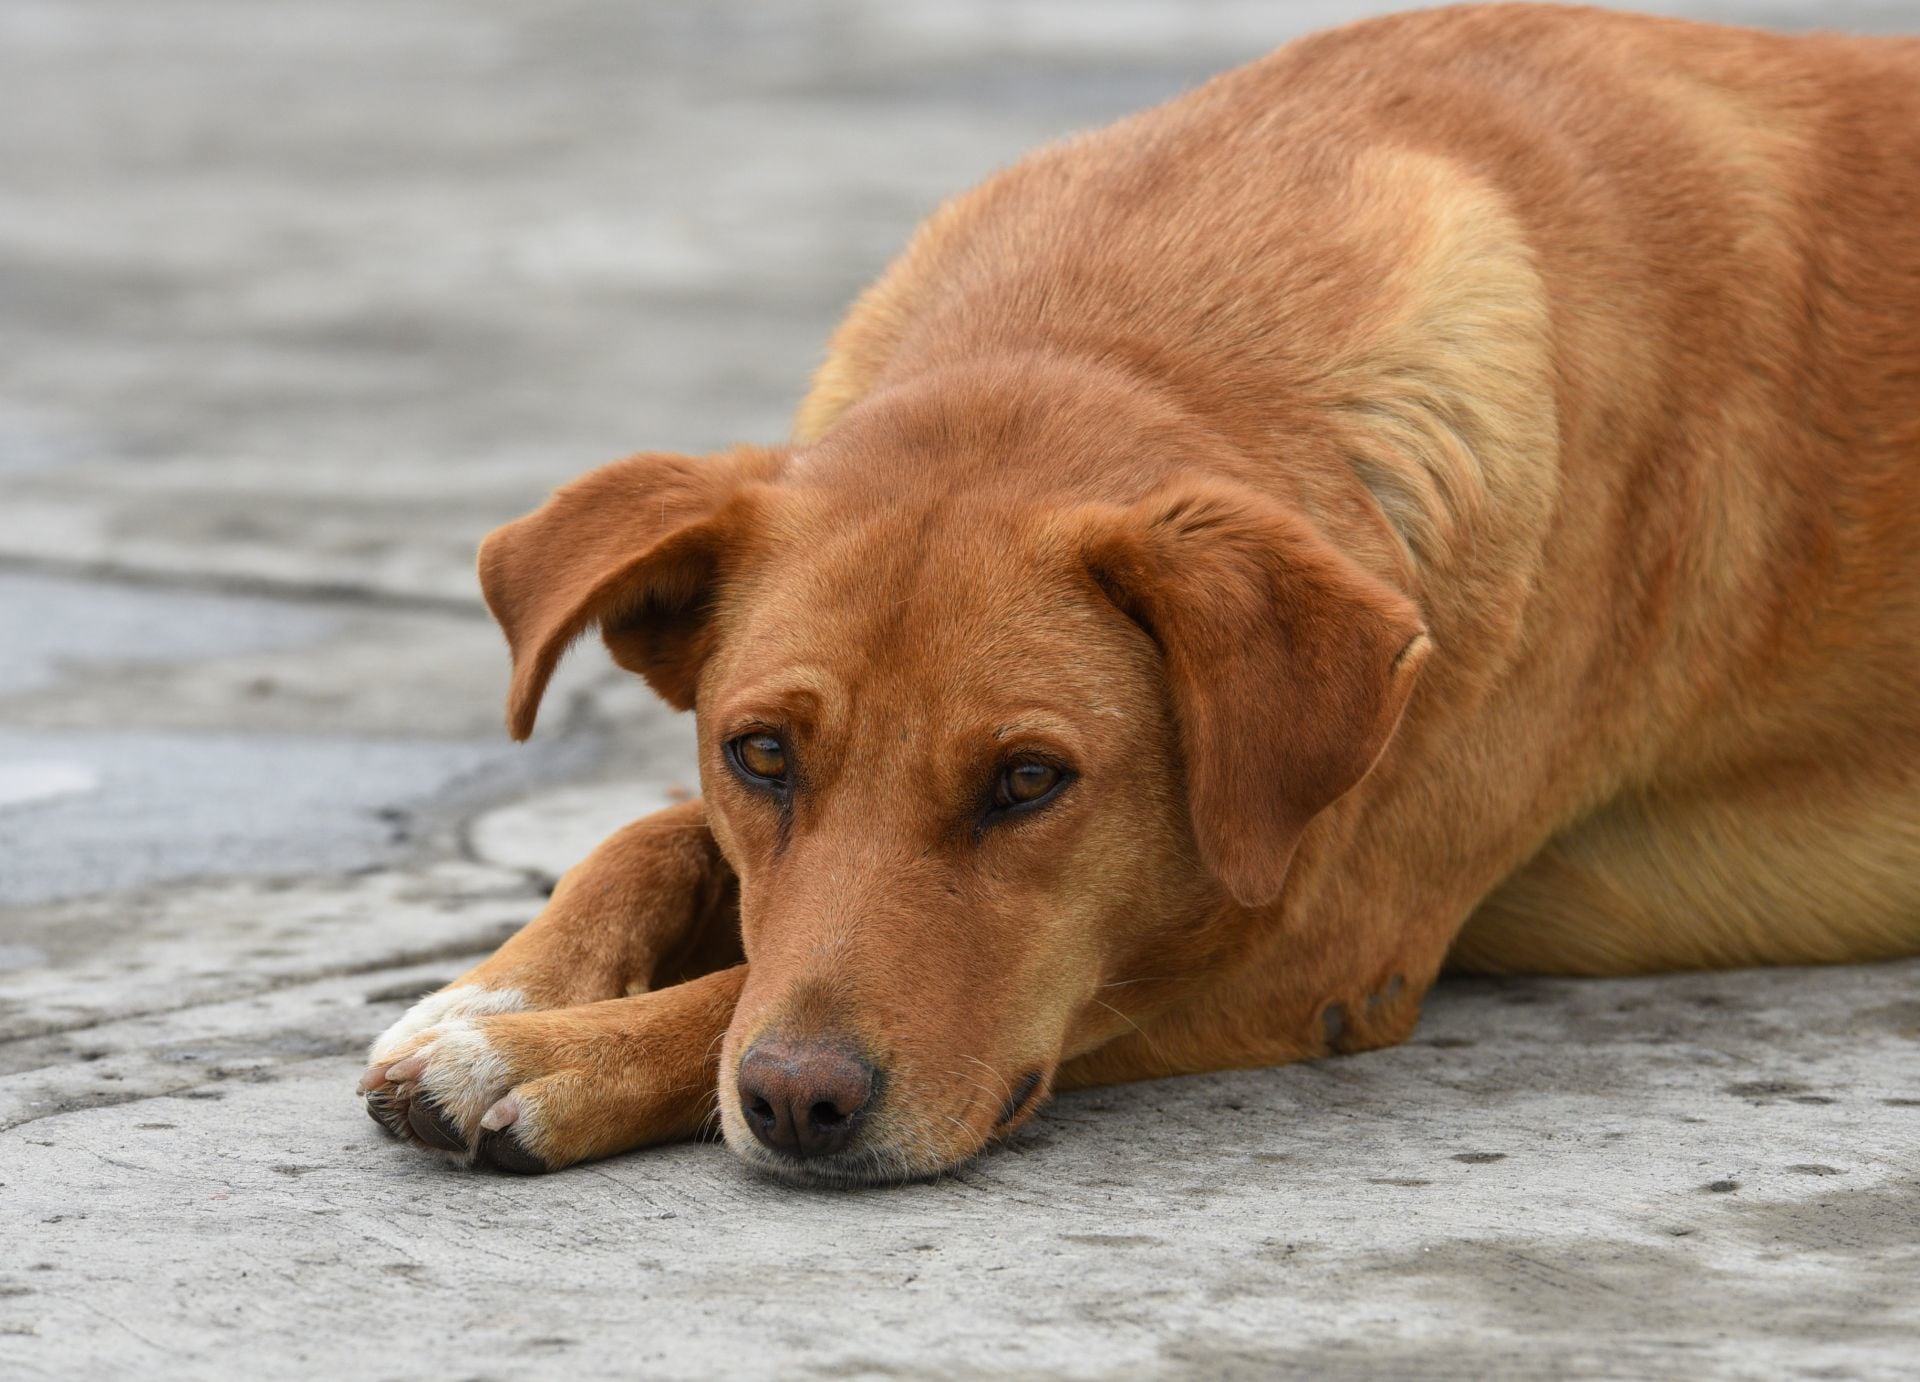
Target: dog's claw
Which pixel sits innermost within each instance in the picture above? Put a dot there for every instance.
(503, 1114)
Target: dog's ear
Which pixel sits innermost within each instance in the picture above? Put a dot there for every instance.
(635, 547)
(1288, 665)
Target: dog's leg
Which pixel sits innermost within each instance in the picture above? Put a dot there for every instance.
(535, 1091)
(653, 905)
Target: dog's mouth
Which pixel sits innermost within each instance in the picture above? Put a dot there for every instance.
(871, 1164)
(1019, 1100)
(893, 1146)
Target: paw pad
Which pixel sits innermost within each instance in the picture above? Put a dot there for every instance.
(431, 1125)
(503, 1151)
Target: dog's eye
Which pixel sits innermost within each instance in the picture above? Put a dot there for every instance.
(760, 755)
(1023, 784)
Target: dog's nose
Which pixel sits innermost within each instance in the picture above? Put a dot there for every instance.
(803, 1099)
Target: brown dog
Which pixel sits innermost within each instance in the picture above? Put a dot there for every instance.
(1448, 493)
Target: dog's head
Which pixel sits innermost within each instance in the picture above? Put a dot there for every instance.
(993, 766)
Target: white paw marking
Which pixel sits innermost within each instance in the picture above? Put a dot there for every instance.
(459, 1001)
(464, 1076)
(471, 1084)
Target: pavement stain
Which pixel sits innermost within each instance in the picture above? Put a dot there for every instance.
(1902, 1018)
(1649, 1290)
(1766, 1089)
(408, 991)
(1866, 1222)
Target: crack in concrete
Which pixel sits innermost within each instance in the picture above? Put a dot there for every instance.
(313, 592)
(215, 1076)
(452, 950)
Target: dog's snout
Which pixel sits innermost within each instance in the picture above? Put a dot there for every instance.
(804, 1099)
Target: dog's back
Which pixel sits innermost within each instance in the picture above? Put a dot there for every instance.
(1618, 322)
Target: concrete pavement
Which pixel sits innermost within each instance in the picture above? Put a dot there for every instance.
(297, 302)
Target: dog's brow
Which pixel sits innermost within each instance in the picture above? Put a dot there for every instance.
(805, 693)
(1050, 726)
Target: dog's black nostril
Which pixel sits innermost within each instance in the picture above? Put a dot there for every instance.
(803, 1099)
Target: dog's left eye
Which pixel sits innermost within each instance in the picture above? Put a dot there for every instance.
(760, 756)
(1026, 783)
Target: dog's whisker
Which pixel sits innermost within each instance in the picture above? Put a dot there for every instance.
(1151, 1044)
(1004, 1080)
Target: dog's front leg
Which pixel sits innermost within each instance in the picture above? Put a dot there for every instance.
(654, 904)
(535, 1091)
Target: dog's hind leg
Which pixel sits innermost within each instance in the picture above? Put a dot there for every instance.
(1813, 865)
(655, 904)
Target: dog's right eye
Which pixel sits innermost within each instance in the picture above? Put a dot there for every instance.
(761, 758)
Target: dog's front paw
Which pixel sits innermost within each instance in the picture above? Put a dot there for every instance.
(456, 1003)
(452, 1088)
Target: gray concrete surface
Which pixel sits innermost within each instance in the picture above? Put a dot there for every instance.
(296, 301)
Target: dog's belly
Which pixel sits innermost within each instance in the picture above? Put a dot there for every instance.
(1810, 869)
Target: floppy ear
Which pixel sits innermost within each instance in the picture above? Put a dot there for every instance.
(634, 547)
(1288, 665)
